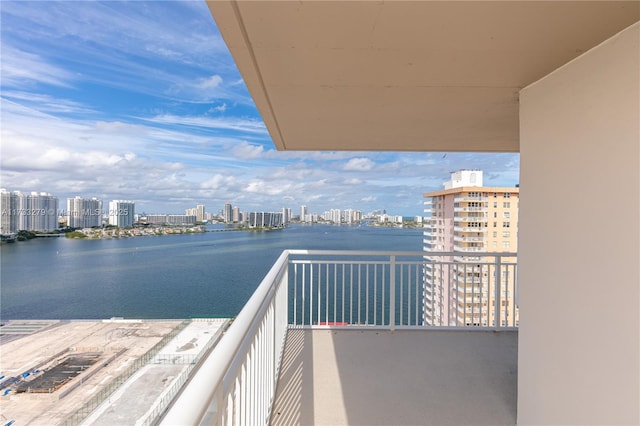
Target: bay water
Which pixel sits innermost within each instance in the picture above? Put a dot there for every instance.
(211, 274)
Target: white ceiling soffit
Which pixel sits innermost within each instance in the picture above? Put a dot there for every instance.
(405, 75)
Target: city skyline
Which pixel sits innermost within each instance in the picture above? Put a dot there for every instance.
(122, 101)
(39, 211)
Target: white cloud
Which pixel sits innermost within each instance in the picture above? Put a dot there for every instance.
(218, 181)
(20, 69)
(247, 125)
(262, 187)
(209, 82)
(359, 165)
(218, 108)
(246, 151)
(48, 103)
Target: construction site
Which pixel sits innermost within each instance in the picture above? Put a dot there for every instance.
(87, 372)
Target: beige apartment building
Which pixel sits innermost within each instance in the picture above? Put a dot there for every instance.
(463, 286)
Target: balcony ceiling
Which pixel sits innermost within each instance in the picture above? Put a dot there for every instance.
(405, 75)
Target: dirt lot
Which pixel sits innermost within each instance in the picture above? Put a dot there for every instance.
(115, 343)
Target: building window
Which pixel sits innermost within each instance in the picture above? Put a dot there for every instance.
(495, 195)
(506, 224)
(505, 234)
(507, 195)
(506, 205)
(495, 234)
(495, 214)
(495, 244)
(505, 244)
(507, 215)
(495, 224)
(495, 204)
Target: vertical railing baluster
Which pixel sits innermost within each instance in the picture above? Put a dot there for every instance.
(401, 321)
(384, 292)
(295, 294)
(351, 293)
(319, 302)
(375, 295)
(343, 298)
(481, 287)
(359, 290)
(311, 294)
(506, 295)
(304, 284)
(417, 273)
(473, 294)
(457, 298)
(367, 295)
(514, 295)
(335, 292)
(463, 283)
(244, 409)
(408, 294)
(326, 300)
(392, 293)
(498, 288)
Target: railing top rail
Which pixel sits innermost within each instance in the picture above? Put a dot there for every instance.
(398, 253)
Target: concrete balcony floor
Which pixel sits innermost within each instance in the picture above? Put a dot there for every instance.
(405, 377)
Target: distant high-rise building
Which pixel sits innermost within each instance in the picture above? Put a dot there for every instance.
(335, 216)
(303, 213)
(286, 215)
(170, 219)
(121, 213)
(466, 218)
(36, 211)
(236, 214)
(8, 211)
(265, 220)
(83, 212)
(227, 213)
(200, 213)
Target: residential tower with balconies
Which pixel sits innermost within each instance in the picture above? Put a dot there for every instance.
(465, 220)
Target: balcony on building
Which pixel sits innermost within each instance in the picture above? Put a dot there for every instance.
(557, 82)
(340, 338)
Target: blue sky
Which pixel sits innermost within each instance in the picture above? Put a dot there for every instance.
(142, 100)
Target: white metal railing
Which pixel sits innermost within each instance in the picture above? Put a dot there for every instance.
(469, 209)
(357, 288)
(464, 238)
(463, 198)
(468, 229)
(466, 219)
(465, 249)
(236, 383)
(391, 289)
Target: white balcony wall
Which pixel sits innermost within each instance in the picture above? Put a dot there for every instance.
(579, 357)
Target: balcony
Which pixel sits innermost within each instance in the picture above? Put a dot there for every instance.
(466, 198)
(466, 249)
(467, 219)
(465, 238)
(469, 209)
(457, 228)
(334, 337)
